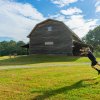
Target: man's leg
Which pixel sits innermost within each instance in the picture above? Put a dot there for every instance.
(98, 64)
(96, 69)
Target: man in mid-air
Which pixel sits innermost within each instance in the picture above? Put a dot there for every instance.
(89, 54)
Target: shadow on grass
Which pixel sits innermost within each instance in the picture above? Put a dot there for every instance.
(23, 60)
(77, 85)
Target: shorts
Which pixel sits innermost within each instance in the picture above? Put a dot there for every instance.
(94, 63)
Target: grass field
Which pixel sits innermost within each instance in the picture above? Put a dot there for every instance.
(51, 78)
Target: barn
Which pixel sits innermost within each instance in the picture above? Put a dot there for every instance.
(54, 37)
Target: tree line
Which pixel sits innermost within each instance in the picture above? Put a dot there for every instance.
(12, 47)
(93, 38)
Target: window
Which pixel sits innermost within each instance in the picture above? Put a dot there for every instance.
(49, 43)
(50, 28)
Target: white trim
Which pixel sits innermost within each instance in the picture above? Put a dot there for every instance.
(50, 28)
(49, 43)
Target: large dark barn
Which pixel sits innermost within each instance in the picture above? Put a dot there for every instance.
(54, 37)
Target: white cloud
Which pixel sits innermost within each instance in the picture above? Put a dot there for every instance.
(71, 11)
(62, 3)
(97, 2)
(77, 23)
(17, 19)
(98, 9)
(97, 5)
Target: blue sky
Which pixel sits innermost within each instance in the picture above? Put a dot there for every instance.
(18, 17)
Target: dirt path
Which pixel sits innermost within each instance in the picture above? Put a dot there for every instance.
(39, 65)
(13, 67)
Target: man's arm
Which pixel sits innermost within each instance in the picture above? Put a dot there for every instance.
(83, 52)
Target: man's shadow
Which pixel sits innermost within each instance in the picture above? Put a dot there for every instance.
(77, 85)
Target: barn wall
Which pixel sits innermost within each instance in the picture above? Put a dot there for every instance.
(60, 36)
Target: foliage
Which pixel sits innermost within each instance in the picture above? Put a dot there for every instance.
(11, 47)
(93, 38)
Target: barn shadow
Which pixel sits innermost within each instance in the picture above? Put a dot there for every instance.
(65, 89)
(34, 59)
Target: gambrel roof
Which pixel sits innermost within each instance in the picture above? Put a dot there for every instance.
(74, 36)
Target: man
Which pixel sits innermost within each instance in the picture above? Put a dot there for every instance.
(90, 55)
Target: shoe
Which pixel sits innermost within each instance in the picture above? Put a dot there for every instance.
(98, 72)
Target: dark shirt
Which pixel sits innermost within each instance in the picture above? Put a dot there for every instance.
(91, 56)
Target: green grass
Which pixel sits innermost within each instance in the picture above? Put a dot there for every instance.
(56, 82)
(36, 59)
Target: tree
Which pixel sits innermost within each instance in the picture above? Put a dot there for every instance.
(19, 49)
(12, 47)
(93, 38)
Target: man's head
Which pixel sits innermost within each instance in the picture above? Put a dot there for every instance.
(84, 49)
(87, 49)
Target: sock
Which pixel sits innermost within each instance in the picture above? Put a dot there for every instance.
(96, 69)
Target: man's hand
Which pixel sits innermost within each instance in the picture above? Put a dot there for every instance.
(83, 52)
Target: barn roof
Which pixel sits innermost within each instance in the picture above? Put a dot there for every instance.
(74, 36)
(39, 24)
(25, 46)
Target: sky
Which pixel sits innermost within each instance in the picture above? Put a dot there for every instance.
(19, 17)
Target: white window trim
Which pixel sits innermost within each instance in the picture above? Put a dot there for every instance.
(49, 28)
(49, 43)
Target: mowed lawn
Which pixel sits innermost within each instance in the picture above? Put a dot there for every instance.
(50, 78)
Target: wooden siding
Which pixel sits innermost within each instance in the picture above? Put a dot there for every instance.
(60, 36)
